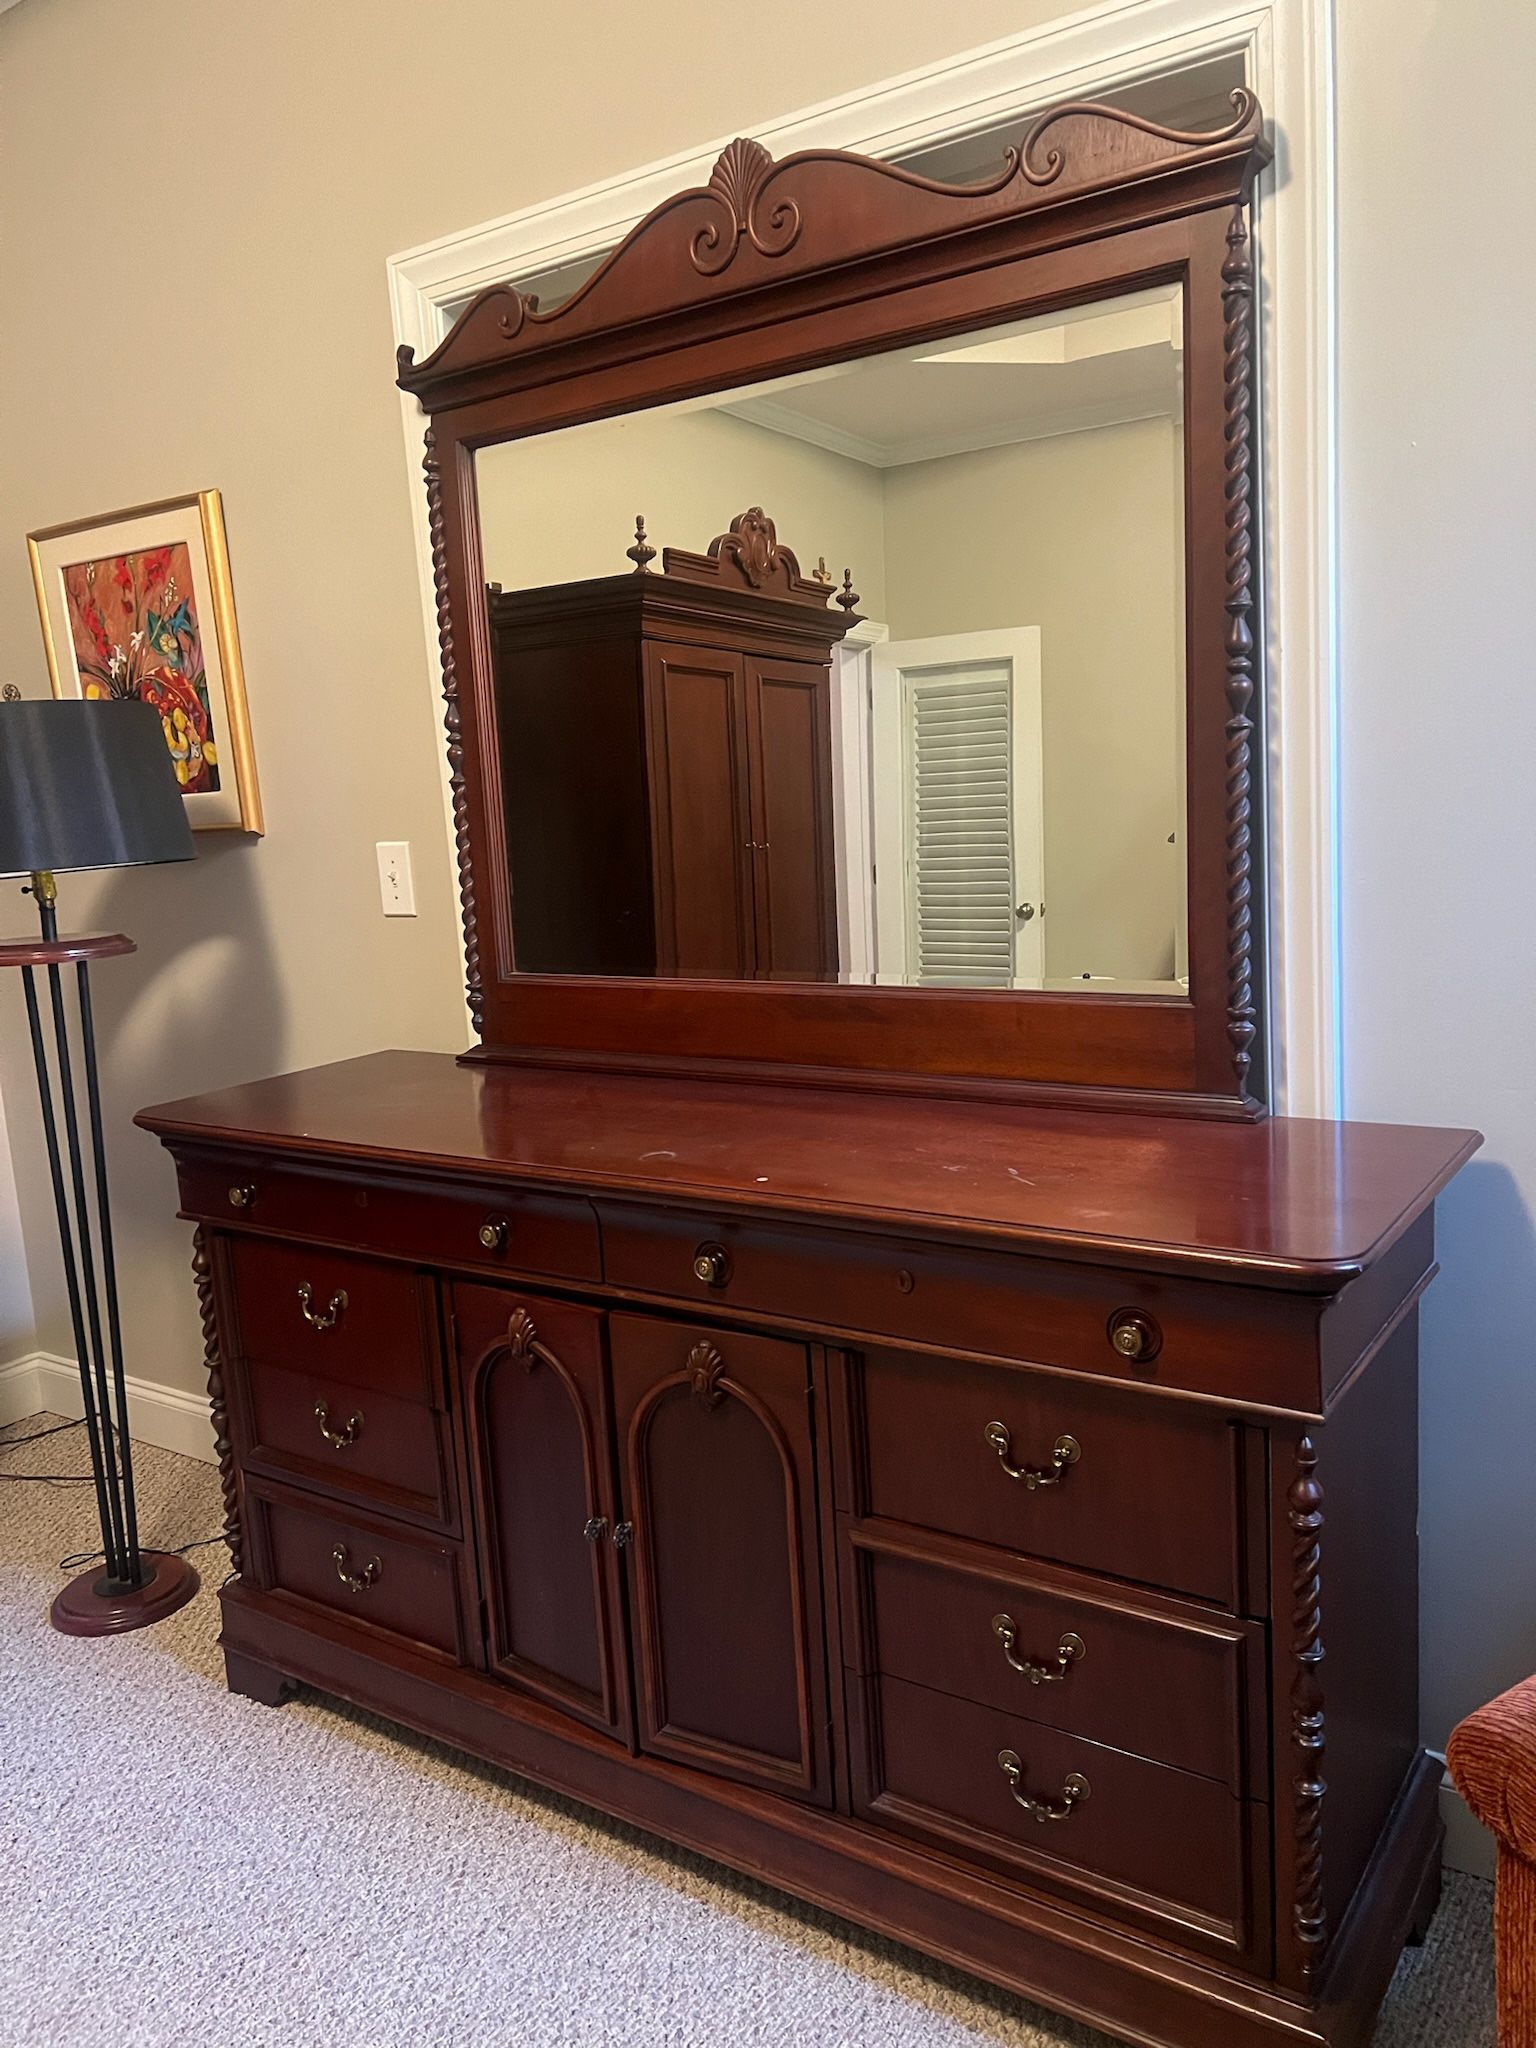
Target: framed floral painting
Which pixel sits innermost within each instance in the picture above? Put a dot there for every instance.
(140, 604)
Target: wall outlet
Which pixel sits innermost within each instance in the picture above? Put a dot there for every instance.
(397, 891)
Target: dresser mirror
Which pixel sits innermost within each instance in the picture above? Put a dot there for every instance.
(916, 720)
(848, 606)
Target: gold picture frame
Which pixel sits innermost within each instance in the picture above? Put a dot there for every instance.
(99, 582)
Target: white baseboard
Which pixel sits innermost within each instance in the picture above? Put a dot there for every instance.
(164, 1416)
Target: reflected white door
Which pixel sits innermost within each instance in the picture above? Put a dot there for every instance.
(959, 810)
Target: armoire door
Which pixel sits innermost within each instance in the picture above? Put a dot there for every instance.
(789, 749)
(536, 1403)
(717, 1494)
(696, 747)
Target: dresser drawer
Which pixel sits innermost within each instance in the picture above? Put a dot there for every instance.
(359, 1567)
(429, 1222)
(1165, 1679)
(1136, 1838)
(1038, 1463)
(1189, 1334)
(355, 1322)
(357, 1443)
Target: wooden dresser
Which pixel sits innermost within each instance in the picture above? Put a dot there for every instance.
(940, 1510)
(928, 1440)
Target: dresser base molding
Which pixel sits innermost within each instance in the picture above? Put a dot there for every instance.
(1136, 1991)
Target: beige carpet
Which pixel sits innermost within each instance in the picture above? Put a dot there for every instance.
(183, 1869)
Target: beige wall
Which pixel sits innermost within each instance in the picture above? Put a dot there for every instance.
(1438, 714)
(1075, 535)
(194, 294)
(562, 506)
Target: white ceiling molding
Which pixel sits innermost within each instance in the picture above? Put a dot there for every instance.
(908, 448)
(1286, 48)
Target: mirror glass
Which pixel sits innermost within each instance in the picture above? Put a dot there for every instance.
(890, 689)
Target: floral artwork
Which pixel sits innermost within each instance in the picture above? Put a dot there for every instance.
(141, 604)
(134, 627)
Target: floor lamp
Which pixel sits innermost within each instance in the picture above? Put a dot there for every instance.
(89, 785)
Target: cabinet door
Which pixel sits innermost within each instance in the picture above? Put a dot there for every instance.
(696, 746)
(717, 1483)
(539, 1438)
(789, 747)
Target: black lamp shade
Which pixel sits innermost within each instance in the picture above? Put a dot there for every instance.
(87, 785)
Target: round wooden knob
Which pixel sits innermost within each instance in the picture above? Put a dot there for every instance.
(712, 1265)
(1134, 1335)
(493, 1233)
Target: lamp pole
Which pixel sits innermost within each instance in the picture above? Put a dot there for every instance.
(49, 767)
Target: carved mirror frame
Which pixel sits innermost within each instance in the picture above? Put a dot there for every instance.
(778, 267)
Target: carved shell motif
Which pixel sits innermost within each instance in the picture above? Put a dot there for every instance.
(521, 1335)
(736, 184)
(704, 1367)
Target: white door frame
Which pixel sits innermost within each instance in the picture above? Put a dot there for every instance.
(1287, 49)
(1019, 648)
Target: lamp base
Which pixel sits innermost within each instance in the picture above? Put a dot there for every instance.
(93, 1606)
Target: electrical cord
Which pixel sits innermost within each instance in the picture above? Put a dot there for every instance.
(84, 1557)
(9, 1443)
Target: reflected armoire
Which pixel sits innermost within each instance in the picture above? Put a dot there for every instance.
(948, 1453)
(697, 841)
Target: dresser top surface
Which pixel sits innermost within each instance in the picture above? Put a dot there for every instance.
(1291, 1201)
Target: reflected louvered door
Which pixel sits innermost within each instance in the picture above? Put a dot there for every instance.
(972, 839)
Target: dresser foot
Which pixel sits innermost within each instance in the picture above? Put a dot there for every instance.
(257, 1681)
(1424, 1907)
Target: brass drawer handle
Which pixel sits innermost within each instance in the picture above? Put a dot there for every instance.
(493, 1233)
(324, 1318)
(339, 1439)
(241, 1195)
(355, 1582)
(1064, 1452)
(1068, 1651)
(1073, 1792)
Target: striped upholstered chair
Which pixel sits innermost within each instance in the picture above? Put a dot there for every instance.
(1492, 1756)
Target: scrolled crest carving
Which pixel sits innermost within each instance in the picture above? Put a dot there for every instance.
(811, 211)
(752, 543)
(737, 182)
(749, 553)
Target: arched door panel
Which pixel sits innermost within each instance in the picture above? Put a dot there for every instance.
(717, 1485)
(542, 1481)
